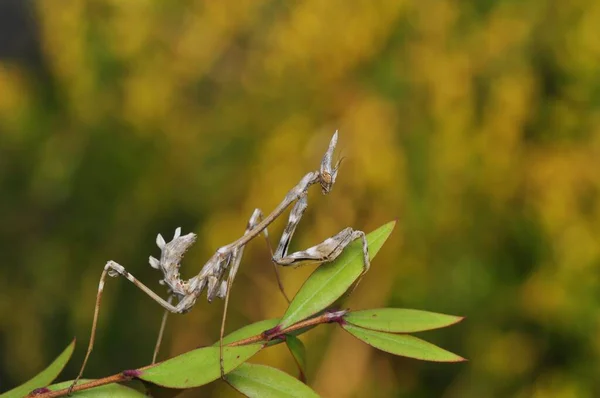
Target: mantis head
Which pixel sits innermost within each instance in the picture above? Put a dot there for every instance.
(328, 173)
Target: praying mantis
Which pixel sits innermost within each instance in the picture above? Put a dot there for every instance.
(218, 273)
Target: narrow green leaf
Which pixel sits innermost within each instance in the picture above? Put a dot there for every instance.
(249, 331)
(45, 377)
(403, 344)
(332, 280)
(265, 382)
(296, 347)
(108, 390)
(198, 367)
(400, 320)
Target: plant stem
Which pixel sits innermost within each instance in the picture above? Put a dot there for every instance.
(268, 335)
(272, 334)
(117, 378)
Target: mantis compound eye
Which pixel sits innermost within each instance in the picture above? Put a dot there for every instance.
(326, 182)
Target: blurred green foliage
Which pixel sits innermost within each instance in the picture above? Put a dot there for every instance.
(476, 124)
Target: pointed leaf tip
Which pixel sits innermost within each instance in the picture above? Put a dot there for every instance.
(45, 377)
(400, 320)
(403, 344)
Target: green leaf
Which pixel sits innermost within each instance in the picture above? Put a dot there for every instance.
(400, 320)
(332, 280)
(298, 351)
(264, 381)
(249, 331)
(198, 367)
(403, 345)
(108, 390)
(45, 377)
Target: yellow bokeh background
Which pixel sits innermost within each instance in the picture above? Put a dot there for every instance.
(475, 124)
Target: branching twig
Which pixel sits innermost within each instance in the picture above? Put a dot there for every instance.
(268, 335)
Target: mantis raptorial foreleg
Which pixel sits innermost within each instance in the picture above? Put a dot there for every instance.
(328, 250)
(324, 252)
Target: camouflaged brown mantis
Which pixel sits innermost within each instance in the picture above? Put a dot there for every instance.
(226, 259)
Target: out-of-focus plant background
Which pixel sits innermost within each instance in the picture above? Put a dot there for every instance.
(476, 124)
